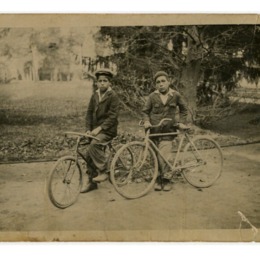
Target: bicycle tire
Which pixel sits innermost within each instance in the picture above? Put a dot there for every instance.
(202, 172)
(64, 182)
(128, 180)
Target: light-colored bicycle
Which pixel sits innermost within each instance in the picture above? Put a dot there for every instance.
(199, 160)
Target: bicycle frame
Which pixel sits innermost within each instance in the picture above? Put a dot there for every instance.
(76, 152)
(173, 166)
(79, 154)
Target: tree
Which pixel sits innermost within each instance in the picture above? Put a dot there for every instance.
(188, 53)
(54, 53)
(15, 50)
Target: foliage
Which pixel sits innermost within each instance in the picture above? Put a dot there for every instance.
(33, 121)
(51, 52)
(34, 117)
(190, 54)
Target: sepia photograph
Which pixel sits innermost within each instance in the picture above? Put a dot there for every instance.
(129, 127)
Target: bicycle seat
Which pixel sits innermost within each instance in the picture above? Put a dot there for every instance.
(106, 143)
(85, 141)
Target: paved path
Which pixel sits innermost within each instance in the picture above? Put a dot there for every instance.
(24, 205)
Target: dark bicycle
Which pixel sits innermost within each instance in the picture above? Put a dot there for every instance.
(66, 179)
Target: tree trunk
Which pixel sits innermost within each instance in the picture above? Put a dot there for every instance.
(55, 74)
(80, 56)
(35, 63)
(189, 80)
(22, 74)
(191, 71)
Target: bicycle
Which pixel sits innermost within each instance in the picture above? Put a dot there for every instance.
(200, 162)
(65, 180)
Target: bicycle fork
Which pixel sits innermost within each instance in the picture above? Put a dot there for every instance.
(143, 155)
(67, 179)
(196, 153)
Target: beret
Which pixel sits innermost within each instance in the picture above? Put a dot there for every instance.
(160, 73)
(104, 72)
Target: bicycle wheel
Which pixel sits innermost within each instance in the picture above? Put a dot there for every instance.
(204, 164)
(111, 156)
(65, 181)
(133, 173)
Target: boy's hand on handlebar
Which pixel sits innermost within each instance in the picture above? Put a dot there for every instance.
(96, 131)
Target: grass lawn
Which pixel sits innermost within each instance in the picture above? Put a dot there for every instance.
(33, 117)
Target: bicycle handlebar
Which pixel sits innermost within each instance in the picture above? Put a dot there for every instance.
(141, 123)
(82, 135)
(179, 125)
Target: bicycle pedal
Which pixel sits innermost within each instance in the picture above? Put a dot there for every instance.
(167, 175)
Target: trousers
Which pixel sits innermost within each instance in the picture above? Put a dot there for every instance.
(96, 155)
(165, 147)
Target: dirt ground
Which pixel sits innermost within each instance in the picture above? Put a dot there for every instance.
(26, 207)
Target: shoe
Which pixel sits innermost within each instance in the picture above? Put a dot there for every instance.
(167, 186)
(89, 187)
(157, 186)
(101, 177)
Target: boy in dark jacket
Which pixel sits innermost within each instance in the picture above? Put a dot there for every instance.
(101, 122)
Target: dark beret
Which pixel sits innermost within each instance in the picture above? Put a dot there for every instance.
(104, 72)
(160, 73)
